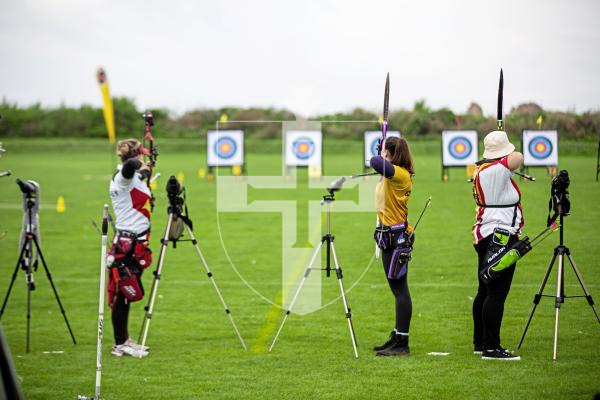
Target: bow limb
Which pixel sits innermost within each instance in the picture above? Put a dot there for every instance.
(386, 108)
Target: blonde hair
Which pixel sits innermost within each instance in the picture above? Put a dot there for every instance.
(128, 148)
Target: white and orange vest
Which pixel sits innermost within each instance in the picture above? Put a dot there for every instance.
(498, 200)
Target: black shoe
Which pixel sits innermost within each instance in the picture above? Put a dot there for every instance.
(477, 349)
(499, 354)
(398, 348)
(391, 340)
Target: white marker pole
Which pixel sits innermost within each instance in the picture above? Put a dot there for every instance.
(101, 302)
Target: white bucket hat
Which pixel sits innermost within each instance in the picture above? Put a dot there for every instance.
(497, 145)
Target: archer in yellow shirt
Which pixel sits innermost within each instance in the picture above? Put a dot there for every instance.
(392, 235)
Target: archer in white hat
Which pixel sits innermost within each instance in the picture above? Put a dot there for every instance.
(498, 223)
(497, 145)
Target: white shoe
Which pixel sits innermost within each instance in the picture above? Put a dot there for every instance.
(129, 342)
(120, 350)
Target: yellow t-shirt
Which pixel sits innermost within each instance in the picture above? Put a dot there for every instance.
(391, 197)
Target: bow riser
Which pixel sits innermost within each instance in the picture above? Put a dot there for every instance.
(149, 139)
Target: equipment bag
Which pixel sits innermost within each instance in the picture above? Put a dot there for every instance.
(129, 285)
(399, 263)
(395, 237)
(126, 258)
(501, 254)
(507, 255)
(382, 236)
(402, 241)
(127, 249)
(391, 236)
(142, 254)
(176, 230)
(511, 255)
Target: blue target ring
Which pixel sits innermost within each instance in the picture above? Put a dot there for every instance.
(540, 147)
(303, 148)
(374, 144)
(225, 147)
(460, 147)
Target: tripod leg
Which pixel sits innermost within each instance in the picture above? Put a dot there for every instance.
(338, 271)
(538, 297)
(62, 310)
(12, 281)
(212, 279)
(147, 306)
(588, 296)
(161, 259)
(289, 310)
(28, 306)
(558, 301)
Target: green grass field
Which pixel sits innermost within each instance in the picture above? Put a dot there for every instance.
(195, 353)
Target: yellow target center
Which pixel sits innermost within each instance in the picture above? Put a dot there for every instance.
(460, 147)
(540, 147)
(225, 147)
(303, 148)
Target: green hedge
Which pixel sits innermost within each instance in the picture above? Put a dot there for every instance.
(87, 121)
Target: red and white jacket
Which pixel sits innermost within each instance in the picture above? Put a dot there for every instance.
(131, 202)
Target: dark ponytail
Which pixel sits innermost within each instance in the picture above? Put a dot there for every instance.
(400, 153)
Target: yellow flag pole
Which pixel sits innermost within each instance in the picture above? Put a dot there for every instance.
(107, 109)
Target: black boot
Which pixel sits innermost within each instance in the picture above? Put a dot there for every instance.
(398, 348)
(387, 344)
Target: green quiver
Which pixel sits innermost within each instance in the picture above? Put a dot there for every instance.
(507, 260)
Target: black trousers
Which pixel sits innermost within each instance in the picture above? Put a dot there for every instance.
(120, 315)
(399, 287)
(488, 306)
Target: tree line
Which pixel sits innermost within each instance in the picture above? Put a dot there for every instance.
(421, 121)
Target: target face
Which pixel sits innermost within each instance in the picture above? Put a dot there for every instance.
(371, 142)
(303, 148)
(540, 148)
(459, 148)
(225, 148)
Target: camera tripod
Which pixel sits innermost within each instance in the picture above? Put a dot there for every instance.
(327, 239)
(25, 261)
(597, 162)
(174, 211)
(560, 252)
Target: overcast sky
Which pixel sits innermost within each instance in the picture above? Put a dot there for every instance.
(189, 54)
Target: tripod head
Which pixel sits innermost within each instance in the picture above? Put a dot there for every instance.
(176, 195)
(328, 198)
(148, 118)
(332, 188)
(29, 189)
(559, 202)
(177, 206)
